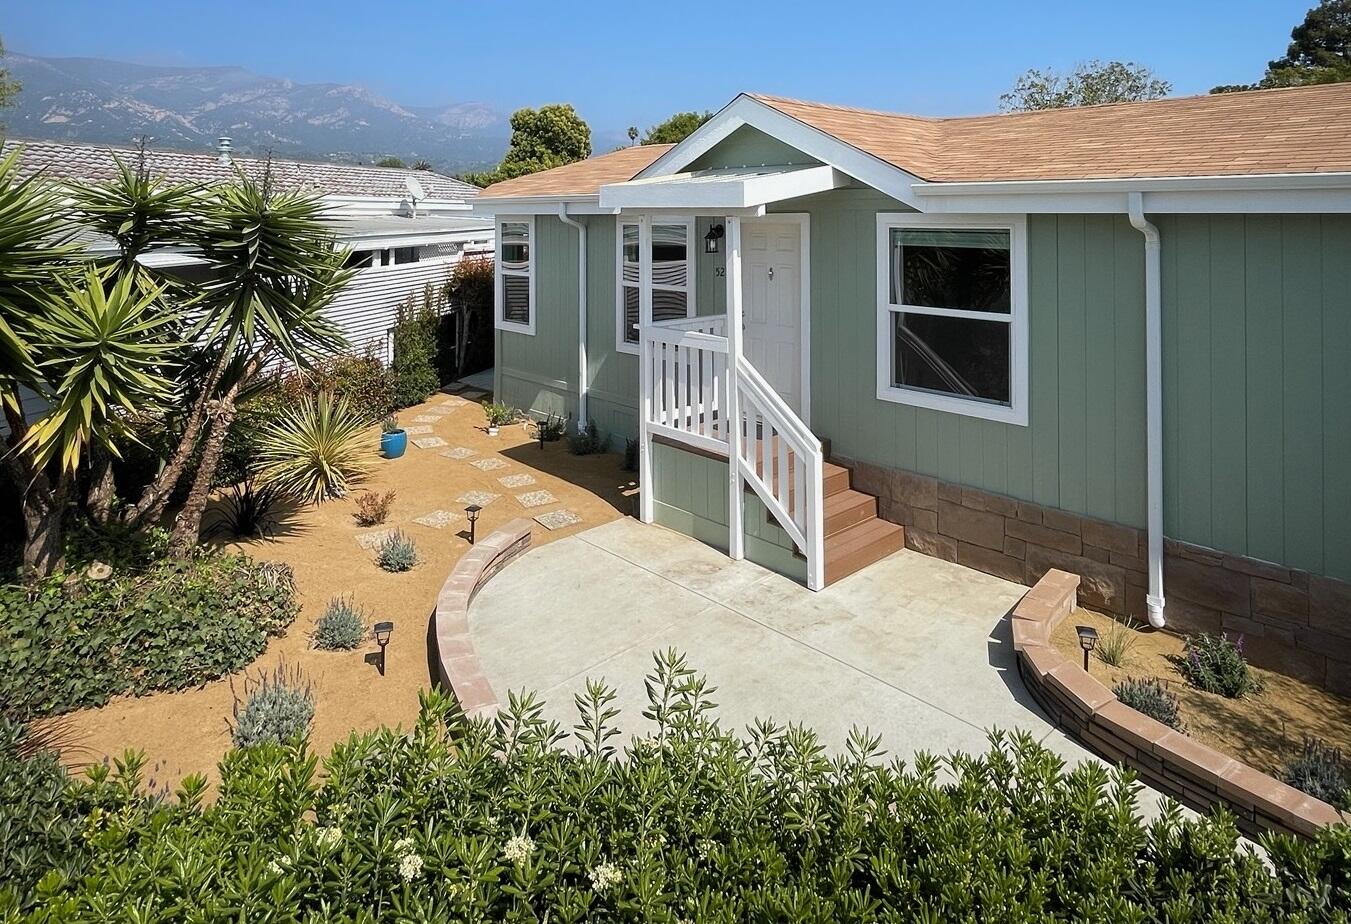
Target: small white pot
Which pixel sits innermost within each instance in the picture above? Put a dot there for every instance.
(492, 430)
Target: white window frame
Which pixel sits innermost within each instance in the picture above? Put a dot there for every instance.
(1016, 225)
(499, 301)
(645, 223)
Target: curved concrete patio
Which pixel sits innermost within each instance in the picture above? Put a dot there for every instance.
(916, 649)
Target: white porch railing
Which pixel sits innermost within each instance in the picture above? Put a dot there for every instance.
(686, 380)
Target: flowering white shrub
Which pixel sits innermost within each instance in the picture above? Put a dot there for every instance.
(512, 820)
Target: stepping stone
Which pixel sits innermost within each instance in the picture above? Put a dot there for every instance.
(459, 452)
(487, 465)
(557, 519)
(427, 419)
(429, 442)
(536, 499)
(434, 413)
(516, 481)
(419, 430)
(452, 403)
(438, 519)
(371, 539)
(481, 498)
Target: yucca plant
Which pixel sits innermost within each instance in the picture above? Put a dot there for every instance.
(316, 450)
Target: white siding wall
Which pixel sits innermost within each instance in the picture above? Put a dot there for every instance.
(366, 309)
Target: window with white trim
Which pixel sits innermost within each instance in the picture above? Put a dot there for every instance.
(672, 252)
(952, 315)
(516, 275)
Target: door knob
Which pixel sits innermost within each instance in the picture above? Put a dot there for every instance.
(771, 272)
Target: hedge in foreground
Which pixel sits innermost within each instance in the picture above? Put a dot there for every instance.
(459, 821)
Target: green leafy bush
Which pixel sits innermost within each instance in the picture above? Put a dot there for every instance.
(589, 441)
(1215, 663)
(415, 338)
(397, 552)
(1150, 697)
(1320, 772)
(499, 415)
(342, 626)
(276, 708)
(182, 622)
(511, 821)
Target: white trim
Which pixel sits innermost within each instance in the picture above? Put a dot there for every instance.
(492, 206)
(722, 189)
(645, 272)
(1016, 411)
(803, 220)
(498, 301)
(746, 110)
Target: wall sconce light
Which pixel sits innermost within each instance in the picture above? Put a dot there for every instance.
(1088, 640)
(711, 239)
(473, 511)
(382, 633)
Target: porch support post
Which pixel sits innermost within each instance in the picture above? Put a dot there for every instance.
(646, 487)
(736, 538)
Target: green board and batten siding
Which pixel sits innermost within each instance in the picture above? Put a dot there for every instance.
(1257, 371)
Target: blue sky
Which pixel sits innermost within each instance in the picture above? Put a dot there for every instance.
(635, 62)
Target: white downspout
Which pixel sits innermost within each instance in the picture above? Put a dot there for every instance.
(1153, 404)
(583, 378)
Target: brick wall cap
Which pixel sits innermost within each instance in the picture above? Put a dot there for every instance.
(1079, 686)
(1199, 760)
(1131, 725)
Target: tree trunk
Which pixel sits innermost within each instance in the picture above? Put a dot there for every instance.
(188, 523)
(43, 506)
(102, 490)
(156, 495)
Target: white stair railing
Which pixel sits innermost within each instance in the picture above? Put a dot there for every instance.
(686, 382)
(714, 324)
(781, 459)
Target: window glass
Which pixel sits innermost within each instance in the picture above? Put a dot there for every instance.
(670, 265)
(514, 268)
(515, 246)
(405, 255)
(967, 270)
(629, 251)
(956, 356)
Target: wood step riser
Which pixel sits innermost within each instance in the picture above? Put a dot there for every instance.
(841, 565)
(861, 512)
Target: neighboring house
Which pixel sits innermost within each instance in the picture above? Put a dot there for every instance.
(1034, 340)
(406, 228)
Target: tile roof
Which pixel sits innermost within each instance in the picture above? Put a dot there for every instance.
(584, 178)
(1296, 130)
(92, 163)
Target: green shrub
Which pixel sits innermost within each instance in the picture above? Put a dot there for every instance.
(41, 816)
(499, 415)
(459, 820)
(1150, 697)
(277, 708)
(549, 430)
(315, 451)
(1215, 663)
(470, 293)
(397, 552)
(415, 336)
(589, 441)
(1320, 772)
(342, 626)
(182, 622)
(1115, 644)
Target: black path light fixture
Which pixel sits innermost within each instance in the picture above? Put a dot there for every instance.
(711, 239)
(472, 511)
(382, 633)
(1088, 640)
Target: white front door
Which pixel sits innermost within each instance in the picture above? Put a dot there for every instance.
(771, 283)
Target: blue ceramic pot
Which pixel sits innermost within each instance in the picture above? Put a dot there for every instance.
(393, 444)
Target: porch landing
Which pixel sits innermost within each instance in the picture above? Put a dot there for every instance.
(914, 648)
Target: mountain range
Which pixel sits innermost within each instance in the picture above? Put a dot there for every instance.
(188, 108)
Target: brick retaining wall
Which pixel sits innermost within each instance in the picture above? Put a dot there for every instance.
(1168, 760)
(457, 664)
(1292, 621)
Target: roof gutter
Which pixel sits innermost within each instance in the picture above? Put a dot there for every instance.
(583, 383)
(1154, 602)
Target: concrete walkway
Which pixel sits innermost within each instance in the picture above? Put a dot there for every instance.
(914, 648)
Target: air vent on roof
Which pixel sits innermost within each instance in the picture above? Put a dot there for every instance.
(223, 149)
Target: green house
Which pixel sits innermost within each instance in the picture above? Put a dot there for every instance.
(1114, 340)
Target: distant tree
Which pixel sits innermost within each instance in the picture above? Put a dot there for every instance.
(390, 162)
(1319, 51)
(676, 128)
(633, 134)
(542, 138)
(422, 164)
(1089, 84)
(9, 87)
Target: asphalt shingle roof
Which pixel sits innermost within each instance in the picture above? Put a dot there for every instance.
(92, 163)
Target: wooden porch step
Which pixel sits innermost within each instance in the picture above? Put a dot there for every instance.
(847, 508)
(858, 546)
(837, 478)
